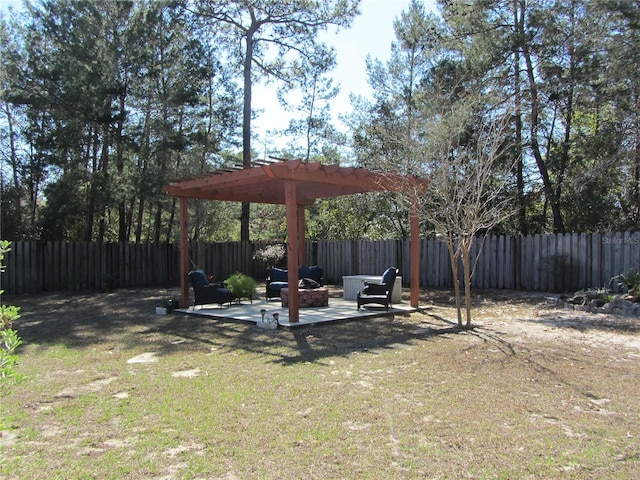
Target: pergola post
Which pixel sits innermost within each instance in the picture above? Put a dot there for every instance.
(302, 245)
(293, 249)
(184, 252)
(415, 254)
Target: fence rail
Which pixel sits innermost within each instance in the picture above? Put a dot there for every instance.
(555, 263)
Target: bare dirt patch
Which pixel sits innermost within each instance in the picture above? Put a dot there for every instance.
(524, 314)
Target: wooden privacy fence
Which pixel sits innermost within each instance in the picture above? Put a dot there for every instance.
(554, 263)
(33, 267)
(222, 259)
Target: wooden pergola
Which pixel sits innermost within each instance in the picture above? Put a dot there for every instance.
(296, 185)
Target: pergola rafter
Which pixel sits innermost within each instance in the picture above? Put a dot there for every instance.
(296, 185)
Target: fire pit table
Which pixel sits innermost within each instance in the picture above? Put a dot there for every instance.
(315, 297)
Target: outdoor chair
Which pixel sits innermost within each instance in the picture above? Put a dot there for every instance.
(379, 292)
(207, 293)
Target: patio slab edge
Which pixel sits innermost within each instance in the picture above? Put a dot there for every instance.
(337, 310)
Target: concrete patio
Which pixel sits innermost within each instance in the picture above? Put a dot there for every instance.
(338, 309)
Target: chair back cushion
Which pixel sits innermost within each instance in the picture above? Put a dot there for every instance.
(278, 275)
(389, 276)
(282, 275)
(198, 278)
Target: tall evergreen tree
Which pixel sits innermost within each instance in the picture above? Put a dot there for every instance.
(114, 98)
(13, 197)
(312, 128)
(271, 33)
(545, 59)
(75, 52)
(618, 101)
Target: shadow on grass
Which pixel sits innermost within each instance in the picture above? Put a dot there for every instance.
(83, 319)
(127, 318)
(304, 344)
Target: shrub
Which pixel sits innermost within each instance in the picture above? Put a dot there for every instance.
(9, 339)
(241, 285)
(271, 255)
(631, 280)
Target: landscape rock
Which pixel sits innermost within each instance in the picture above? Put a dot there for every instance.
(602, 302)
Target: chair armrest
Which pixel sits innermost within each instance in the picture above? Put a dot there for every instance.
(371, 288)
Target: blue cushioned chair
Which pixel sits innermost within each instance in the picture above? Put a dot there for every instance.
(207, 293)
(379, 292)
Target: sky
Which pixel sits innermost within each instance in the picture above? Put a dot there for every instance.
(371, 33)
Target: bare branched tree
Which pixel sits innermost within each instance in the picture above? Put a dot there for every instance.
(467, 197)
(463, 154)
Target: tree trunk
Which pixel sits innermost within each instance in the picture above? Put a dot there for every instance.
(635, 185)
(103, 184)
(157, 222)
(13, 153)
(558, 223)
(172, 216)
(246, 130)
(143, 166)
(518, 21)
(466, 266)
(453, 258)
(91, 201)
(123, 235)
(139, 219)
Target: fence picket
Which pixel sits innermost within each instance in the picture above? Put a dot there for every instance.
(507, 262)
(527, 257)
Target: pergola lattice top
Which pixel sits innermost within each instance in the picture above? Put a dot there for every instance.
(264, 183)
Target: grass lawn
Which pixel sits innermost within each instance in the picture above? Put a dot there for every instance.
(117, 392)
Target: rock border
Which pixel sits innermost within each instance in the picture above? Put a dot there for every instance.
(594, 301)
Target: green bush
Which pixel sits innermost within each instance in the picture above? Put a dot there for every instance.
(631, 280)
(241, 285)
(9, 340)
